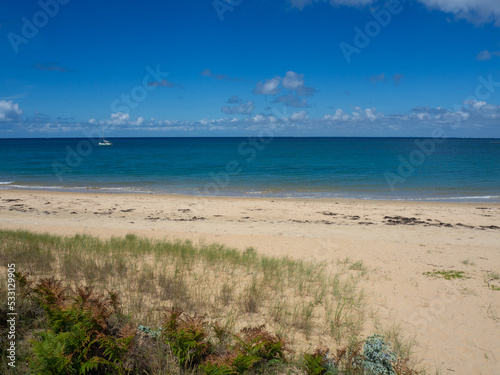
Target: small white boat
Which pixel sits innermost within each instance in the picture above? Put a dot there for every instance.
(105, 143)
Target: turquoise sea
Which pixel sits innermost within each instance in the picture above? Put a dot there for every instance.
(366, 168)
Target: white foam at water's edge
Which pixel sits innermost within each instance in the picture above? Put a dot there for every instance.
(6, 183)
(256, 193)
(77, 188)
(449, 198)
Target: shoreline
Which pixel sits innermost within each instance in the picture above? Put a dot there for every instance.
(457, 322)
(120, 191)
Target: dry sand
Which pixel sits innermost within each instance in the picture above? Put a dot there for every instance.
(456, 322)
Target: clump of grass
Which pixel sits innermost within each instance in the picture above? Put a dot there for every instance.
(468, 262)
(447, 275)
(302, 318)
(493, 275)
(251, 296)
(357, 266)
(226, 294)
(491, 279)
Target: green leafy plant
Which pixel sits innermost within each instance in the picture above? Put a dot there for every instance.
(231, 362)
(254, 345)
(216, 369)
(85, 334)
(257, 341)
(317, 363)
(323, 362)
(187, 337)
(447, 275)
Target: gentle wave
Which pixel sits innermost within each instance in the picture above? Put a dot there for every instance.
(80, 188)
(6, 183)
(258, 193)
(485, 197)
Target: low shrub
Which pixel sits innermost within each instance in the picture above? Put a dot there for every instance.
(86, 332)
(187, 337)
(378, 358)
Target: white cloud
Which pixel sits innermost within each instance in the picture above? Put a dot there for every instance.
(372, 114)
(472, 111)
(209, 73)
(484, 55)
(9, 111)
(258, 118)
(119, 118)
(300, 4)
(453, 116)
(487, 55)
(234, 99)
(292, 100)
(293, 81)
(241, 109)
(162, 83)
(270, 87)
(474, 11)
(377, 78)
(474, 104)
(423, 116)
(482, 110)
(339, 115)
(299, 116)
(433, 111)
(397, 78)
(356, 116)
(465, 119)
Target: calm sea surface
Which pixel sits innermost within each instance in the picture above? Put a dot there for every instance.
(367, 168)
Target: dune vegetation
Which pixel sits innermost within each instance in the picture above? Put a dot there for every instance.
(138, 306)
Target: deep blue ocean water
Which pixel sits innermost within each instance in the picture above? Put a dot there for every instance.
(366, 168)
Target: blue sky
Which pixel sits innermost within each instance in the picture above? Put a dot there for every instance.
(240, 67)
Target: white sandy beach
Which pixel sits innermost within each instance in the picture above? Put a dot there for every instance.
(456, 323)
